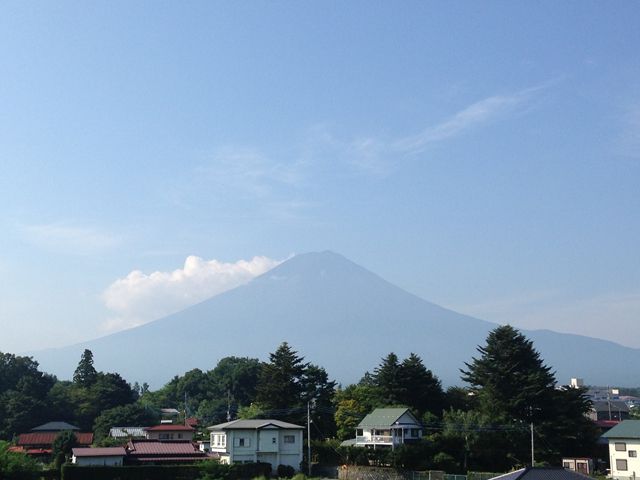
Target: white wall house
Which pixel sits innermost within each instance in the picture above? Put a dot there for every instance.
(624, 446)
(108, 457)
(388, 427)
(259, 440)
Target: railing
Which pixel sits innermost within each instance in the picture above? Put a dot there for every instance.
(377, 439)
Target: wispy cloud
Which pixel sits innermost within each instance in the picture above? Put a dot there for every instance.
(477, 114)
(70, 239)
(139, 297)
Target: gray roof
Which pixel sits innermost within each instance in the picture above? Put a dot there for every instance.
(54, 427)
(384, 417)
(625, 429)
(615, 405)
(542, 473)
(126, 432)
(255, 424)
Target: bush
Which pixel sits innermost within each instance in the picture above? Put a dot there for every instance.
(285, 471)
(17, 466)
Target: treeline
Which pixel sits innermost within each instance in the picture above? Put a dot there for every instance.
(483, 426)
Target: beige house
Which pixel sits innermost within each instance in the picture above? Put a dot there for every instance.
(624, 445)
(259, 440)
(108, 457)
(387, 427)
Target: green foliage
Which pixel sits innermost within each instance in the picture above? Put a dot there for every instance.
(85, 374)
(408, 383)
(285, 471)
(286, 384)
(134, 414)
(17, 466)
(509, 377)
(514, 388)
(23, 390)
(62, 446)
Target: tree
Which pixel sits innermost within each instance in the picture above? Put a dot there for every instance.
(279, 384)
(134, 414)
(509, 377)
(422, 391)
(514, 388)
(386, 377)
(17, 466)
(85, 374)
(62, 445)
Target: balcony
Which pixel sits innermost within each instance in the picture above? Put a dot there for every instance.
(376, 440)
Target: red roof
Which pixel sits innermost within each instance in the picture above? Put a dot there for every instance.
(170, 428)
(99, 452)
(192, 422)
(47, 438)
(162, 448)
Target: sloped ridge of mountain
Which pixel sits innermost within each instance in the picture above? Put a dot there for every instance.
(338, 315)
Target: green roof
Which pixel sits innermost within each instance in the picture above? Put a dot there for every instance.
(625, 429)
(383, 417)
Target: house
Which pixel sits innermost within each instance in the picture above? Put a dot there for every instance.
(258, 440)
(624, 445)
(156, 452)
(609, 410)
(581, 465)
(39, 441)
(108, 457)
(169, 432)
(387, 428)
(542, 473)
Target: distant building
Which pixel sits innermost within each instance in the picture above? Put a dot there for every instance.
(169, 432)
(616, 410)
(108, 457)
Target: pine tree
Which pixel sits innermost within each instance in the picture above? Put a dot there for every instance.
(280, 381)
(422, 389)
(85, 374)
(386, 377)
(509, 377)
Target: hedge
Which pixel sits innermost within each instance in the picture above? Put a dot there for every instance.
(210, 470)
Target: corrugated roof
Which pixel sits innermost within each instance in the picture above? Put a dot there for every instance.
(382, 417)
(254, 424)
(542, 473)
(99, 452)
(47, 438)
(54, 427)
(625, 429)
(124, 432)
(613, 405)
(162, 448)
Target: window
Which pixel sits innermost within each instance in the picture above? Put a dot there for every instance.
(632, 453)
(621, 447)
(166, 436)
(241, 442)
(289, 439)
(415, 432)
(621, 465)
(273, 440)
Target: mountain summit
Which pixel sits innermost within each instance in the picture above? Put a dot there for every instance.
(337, 315)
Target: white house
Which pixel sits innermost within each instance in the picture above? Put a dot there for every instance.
(388, 427)
(624, 445)
(259, 440)
(109, 457)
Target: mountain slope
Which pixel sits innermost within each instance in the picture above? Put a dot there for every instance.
(335, 313)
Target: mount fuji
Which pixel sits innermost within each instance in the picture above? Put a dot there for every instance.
(337, 315)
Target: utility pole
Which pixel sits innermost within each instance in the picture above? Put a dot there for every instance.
(532, 457)
(309, 436)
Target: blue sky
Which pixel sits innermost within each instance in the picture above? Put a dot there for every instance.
(485, 156)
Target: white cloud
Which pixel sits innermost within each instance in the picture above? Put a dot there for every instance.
(70, 239)
(478, 113)
(139, 297)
